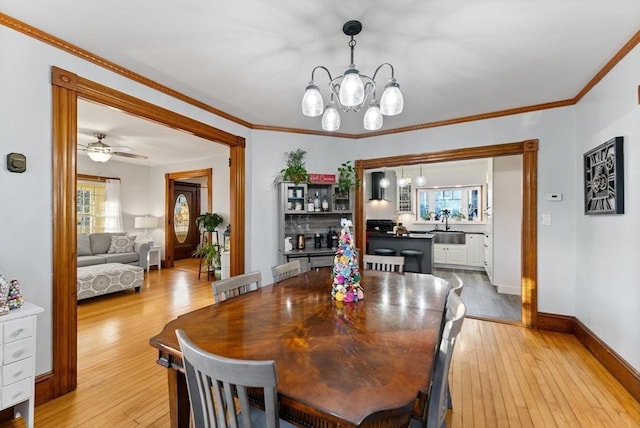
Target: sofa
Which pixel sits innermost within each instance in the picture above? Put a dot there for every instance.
(101, 248)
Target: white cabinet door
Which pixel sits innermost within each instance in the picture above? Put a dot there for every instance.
(439, 253)
(450, 254)
(488, 256)
(475, 250)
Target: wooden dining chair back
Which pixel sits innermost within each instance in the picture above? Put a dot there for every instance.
(236, 285)
(286, 270)
(435, 411)
(218, 386)
(456, 284)
(384, 263)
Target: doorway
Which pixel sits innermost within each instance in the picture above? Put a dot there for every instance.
(529, 244)
(186, 208)
(67, 88)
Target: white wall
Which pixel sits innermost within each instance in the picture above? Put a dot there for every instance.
(507, 223)
(608, 246)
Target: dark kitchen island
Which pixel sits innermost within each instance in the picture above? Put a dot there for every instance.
(423, 243)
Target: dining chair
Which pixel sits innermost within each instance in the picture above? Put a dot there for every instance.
(435, 410)
(286, 270)
(383, 263)
(236, 285)
(217, 388)
(456, 284)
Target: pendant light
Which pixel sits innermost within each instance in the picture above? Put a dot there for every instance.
(403, 181)
(421, 180)
(384, 181)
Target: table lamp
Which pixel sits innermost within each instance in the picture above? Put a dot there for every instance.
(146, 223)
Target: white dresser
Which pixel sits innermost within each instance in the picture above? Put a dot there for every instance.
(17, 357)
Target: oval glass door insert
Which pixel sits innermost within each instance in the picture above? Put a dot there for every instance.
(181, 218)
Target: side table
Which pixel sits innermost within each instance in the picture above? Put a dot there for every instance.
(154, 258)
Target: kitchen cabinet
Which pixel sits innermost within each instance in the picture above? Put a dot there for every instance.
(306, 214)
(475, 249)
(452, 254)
(18, 353)
(404, 202)
(488, 255)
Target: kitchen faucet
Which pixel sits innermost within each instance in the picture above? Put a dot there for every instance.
(444, 215)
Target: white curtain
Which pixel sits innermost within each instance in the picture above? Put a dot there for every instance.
(112, 208)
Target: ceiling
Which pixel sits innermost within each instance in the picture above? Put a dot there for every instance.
(253, 58)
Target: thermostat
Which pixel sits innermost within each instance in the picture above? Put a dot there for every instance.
(554, 197)
(16, 162)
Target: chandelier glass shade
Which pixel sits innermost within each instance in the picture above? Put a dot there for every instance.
(99, 156)
(421, 180)
(351, 91)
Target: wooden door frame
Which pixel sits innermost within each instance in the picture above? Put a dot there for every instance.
(529, 251)
(169, 182)
(67, 87)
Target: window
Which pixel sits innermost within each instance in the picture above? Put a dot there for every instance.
(462, 203)
(91, 206)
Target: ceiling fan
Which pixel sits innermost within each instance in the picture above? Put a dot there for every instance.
(101, 152)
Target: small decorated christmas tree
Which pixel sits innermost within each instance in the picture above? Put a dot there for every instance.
(14, 297)
(346, 275)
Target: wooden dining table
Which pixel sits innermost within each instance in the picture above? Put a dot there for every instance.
(338, 364)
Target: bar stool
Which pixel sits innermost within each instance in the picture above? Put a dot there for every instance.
(411, 257)
(384, 252)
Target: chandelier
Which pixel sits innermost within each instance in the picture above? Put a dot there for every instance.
(350, 92)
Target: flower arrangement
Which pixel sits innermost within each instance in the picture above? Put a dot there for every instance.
(346, 275)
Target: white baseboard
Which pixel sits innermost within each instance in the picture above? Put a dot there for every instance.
(509, 290)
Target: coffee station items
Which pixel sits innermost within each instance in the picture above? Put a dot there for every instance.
(301, 241)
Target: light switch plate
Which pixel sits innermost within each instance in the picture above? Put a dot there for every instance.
(546, 219)
(553, 197)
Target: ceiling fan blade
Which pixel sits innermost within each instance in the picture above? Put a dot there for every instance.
(121, 148)
(130, 155)
(84, 147)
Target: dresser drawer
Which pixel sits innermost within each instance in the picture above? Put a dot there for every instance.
(16, 351)
(19, 370)
(16, 393)
(17, 329)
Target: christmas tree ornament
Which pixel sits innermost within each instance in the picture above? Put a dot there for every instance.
(14, 297)
(346, 275)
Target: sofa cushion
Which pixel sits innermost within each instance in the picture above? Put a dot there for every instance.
(84, 245)
(100, 242)
(124, 258)
(91, 260)
(121, 244)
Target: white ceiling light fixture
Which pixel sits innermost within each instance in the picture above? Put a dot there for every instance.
(403, 181)
(421, 180)
(351, 91)
(99, 151)
(384, 181)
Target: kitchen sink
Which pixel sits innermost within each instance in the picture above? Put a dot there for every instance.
(448, 237)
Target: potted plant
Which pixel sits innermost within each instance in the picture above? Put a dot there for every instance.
(295, 171)
(347, 178)
(208, 222)
(211, 254)
(458, 216)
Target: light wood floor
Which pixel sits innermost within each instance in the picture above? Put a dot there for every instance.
(502, 375)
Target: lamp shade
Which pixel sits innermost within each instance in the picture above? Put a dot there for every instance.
(99, 156)
(351, 89)
(146, 222)
(331, 119)
(372, 118)
(391, 102)
(312, 103)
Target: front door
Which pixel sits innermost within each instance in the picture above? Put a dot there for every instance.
(186, 207)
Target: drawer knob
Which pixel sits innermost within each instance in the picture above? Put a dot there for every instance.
(18, 332)
(18, 353)
(18, 373)
(16, 395)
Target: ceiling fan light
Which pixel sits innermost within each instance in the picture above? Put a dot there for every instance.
(99, 156)
(391, 102)
(331, 118)
(351, 89)
(312, 103)
(372, 118)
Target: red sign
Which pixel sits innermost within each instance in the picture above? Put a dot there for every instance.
(322, 178)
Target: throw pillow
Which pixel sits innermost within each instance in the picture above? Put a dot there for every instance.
(84, 245)
(121, 244)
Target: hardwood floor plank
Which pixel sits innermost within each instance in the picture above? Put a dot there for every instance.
(501, 375)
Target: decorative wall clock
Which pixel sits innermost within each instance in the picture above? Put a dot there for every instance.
(604, 179)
